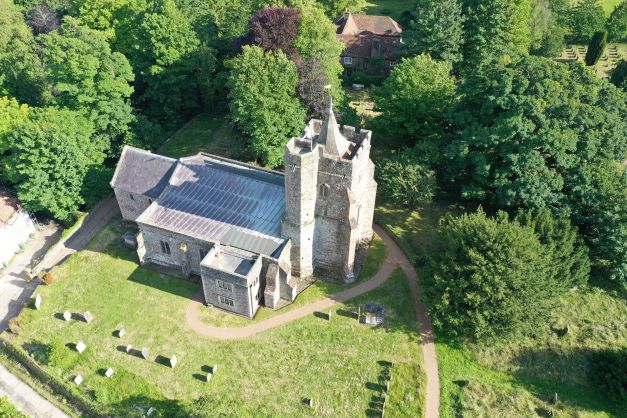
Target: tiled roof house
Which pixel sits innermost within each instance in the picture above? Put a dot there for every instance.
(367, 37)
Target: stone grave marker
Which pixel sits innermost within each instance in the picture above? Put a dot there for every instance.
(78, 379)
(173, 361)
(38, 302)
(151, 411)
(214, 368)
(67, 315)
(121, 332)
(145, 353)
(329, 314)
(129, 348)
(88, 317)
(209, 376)
(109, 372)
(80, 346)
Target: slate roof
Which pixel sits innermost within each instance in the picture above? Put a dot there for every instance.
(215, 199)
(353, 24)
(360, 46)
(142, 172)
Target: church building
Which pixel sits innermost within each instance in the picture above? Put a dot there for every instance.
(249, 233)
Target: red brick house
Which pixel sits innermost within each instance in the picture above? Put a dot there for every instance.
(371, 42)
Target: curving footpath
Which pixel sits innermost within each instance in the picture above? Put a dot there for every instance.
(395, 257)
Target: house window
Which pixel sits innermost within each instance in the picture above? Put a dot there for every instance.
(225, 286)
(165, 247)
(203, 253)
(324, 190)
(348, 60)
(226, 301)
(131, 196)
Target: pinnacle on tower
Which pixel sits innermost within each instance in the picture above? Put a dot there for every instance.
(330, 135)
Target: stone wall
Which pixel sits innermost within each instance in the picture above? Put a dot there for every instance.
(131, 205)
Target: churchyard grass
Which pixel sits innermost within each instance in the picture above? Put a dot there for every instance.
(336, 363)
(316, 291)
(609, 5)
(518, 377)
(380, 7)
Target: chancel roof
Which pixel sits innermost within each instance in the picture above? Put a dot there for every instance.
(142, 172)
(215, 199)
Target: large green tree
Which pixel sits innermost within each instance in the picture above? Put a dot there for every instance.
(526, 128)
(617, 23)
(263, 102)
(84, 75)
(11, 115)
(21, 71)
(166, 56)
(51, 153)
(586, 18)
(495, 28)
(415, 97)
(491, 277)
(547, 35)
(437, 29)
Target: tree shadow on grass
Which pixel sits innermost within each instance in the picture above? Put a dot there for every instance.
(164, 282)
(38, 350)
(544, 372)
(138, 406)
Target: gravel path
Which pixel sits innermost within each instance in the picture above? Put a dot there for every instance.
(395, 257)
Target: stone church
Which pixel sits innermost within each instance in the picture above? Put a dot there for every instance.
(249, 233)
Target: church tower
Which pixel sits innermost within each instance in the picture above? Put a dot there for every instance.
(329, 197)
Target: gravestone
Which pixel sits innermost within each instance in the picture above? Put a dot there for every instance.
(151, 411)
(67, 315)
(109, 372)
(129, 348)
(88, 317)
(78, 379)
(329, 314)
(209, 376)
(80, 346)
(173, 361)
(38, 302)
(121, 332)
(145, 353)
(214, 368)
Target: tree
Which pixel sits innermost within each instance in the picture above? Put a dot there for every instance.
(618, 76)
(11, 115)
(101, 15)
(274, 29)
(51, 153)
(437, 30)
(165, 57)
(586, 18)
(598, 196)
(42, 19)
(406, 179)
(495, 28)
(310, 89)
(617, 23)
(596, 48)
(609, 371)
(263, 102)
(490, 278)
(518, 136)
(335, 8)
(415, 97)
(21, 72)
(570, 262)
(84, 75)
(547, 35)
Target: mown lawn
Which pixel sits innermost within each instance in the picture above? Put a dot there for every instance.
(338, 363)
(519, 377)
(380, 7)
(316, 291)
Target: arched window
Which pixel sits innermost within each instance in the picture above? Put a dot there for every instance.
(324, 190)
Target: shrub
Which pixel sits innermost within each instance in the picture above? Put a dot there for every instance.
(406, 180)
(7, 409)
(610, 371)
(48, 278)
(596, 48)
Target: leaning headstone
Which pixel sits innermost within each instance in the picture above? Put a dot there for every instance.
(67, 315)
(151, 411)
(145, 353)
(38, 302)
(121, 332)
(109, 372)
(80, 346)
(78, 379)
(329, 314)
(214, 368)
(88, 317)
(173, 361)
(209, 376)
(129, 348)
